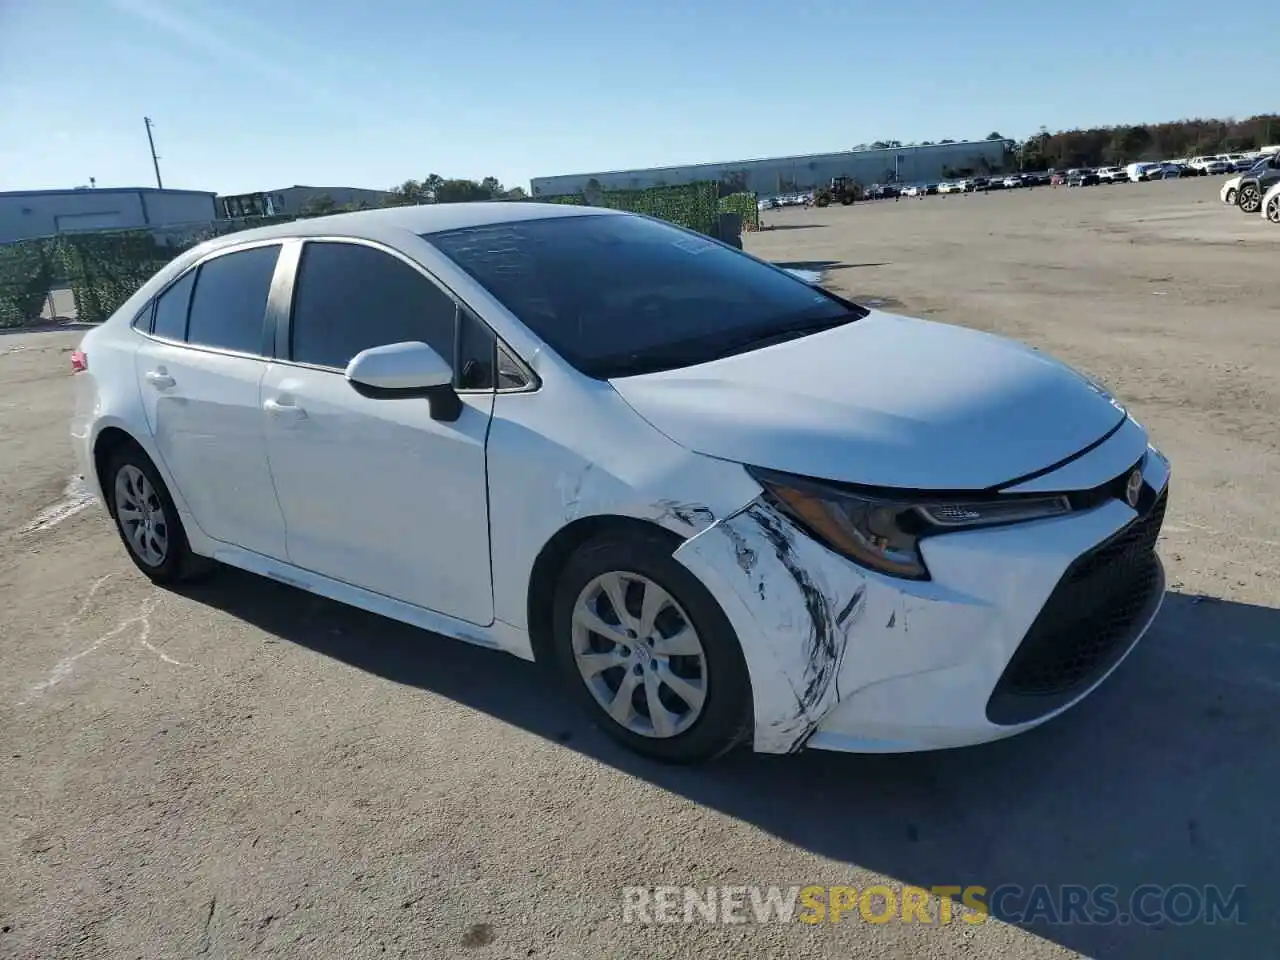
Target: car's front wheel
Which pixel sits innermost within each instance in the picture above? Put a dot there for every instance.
(147, 519)
(648, 651)
(1231, 196)
(1273, 209)
(1248, 199)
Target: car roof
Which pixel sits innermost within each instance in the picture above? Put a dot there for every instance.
(390, 223)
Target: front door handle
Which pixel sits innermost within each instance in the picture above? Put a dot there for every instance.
(278, 409)
(159, 379)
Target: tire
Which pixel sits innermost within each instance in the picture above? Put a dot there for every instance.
(1249, 199)
(133, 488)
(682, 732)
(1231, 197)
(1273, 209)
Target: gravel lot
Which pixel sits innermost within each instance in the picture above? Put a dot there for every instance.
(245, 769)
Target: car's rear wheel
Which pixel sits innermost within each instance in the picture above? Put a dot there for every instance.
(147, 519)
(1248, 199)
(1273, 209)
(648, 652)
(1231, 196)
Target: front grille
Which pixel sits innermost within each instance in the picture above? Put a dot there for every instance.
(1086, 625)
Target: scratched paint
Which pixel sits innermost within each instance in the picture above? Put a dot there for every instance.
(810, 607)
(692, 516)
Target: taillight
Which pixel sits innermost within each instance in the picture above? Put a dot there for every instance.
(79, 361)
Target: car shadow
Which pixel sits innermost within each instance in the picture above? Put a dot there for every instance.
(1167, 775)
(771, 227)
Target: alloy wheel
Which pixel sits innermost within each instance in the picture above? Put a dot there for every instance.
(1273, 209)
(639, 655)
(1249, 199)
(140, 514)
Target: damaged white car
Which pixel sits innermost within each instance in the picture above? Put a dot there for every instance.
(725, 504)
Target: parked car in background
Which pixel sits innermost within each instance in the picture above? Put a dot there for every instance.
(1227, 192)
(882, 191)
(1012, 182)
(949, 186)
(1255, 184)
(605, 443)
(1208, 166)
(1111, 175)
(1140, 172)
(1082, 178)
(1271, 204)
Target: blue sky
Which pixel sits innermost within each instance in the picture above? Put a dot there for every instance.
(259, 94)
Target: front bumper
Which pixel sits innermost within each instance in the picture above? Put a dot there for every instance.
(841, 658)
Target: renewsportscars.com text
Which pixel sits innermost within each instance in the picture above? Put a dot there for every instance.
(1148, 904)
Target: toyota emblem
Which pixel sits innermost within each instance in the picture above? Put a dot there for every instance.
(1133, 488)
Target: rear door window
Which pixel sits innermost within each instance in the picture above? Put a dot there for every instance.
(229, 305)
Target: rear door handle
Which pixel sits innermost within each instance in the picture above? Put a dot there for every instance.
(278, 409)
(159, 379)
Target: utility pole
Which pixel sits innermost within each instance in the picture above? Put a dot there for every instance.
(155, 160)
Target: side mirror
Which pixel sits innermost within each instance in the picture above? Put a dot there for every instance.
(406, 371)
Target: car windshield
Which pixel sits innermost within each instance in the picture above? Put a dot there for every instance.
(618, 294)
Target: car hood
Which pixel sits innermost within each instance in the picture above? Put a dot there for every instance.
(884, 401)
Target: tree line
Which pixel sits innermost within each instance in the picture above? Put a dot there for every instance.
(1116, 146)
(1126, 143)
(432, 189)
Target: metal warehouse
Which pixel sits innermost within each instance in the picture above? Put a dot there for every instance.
(915, 164)
(40, 213)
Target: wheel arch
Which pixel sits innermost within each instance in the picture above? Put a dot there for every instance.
(109, 441)
(555, 553)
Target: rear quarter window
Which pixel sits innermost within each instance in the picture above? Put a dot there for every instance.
(171, 309)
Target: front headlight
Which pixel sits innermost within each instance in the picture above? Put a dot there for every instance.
(883, 532)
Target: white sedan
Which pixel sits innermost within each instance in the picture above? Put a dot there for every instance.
(726, 505)
(1271, 204)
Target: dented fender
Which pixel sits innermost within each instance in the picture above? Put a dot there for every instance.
(795, 607)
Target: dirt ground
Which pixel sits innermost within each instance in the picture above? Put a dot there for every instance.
(243, 769)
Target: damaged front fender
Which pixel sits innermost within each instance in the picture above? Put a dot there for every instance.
(796, 608)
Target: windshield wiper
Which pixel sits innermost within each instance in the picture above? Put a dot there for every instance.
(711, 347)
(756, 341)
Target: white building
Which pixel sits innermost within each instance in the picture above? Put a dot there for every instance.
(40, 213)
(917, 164)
